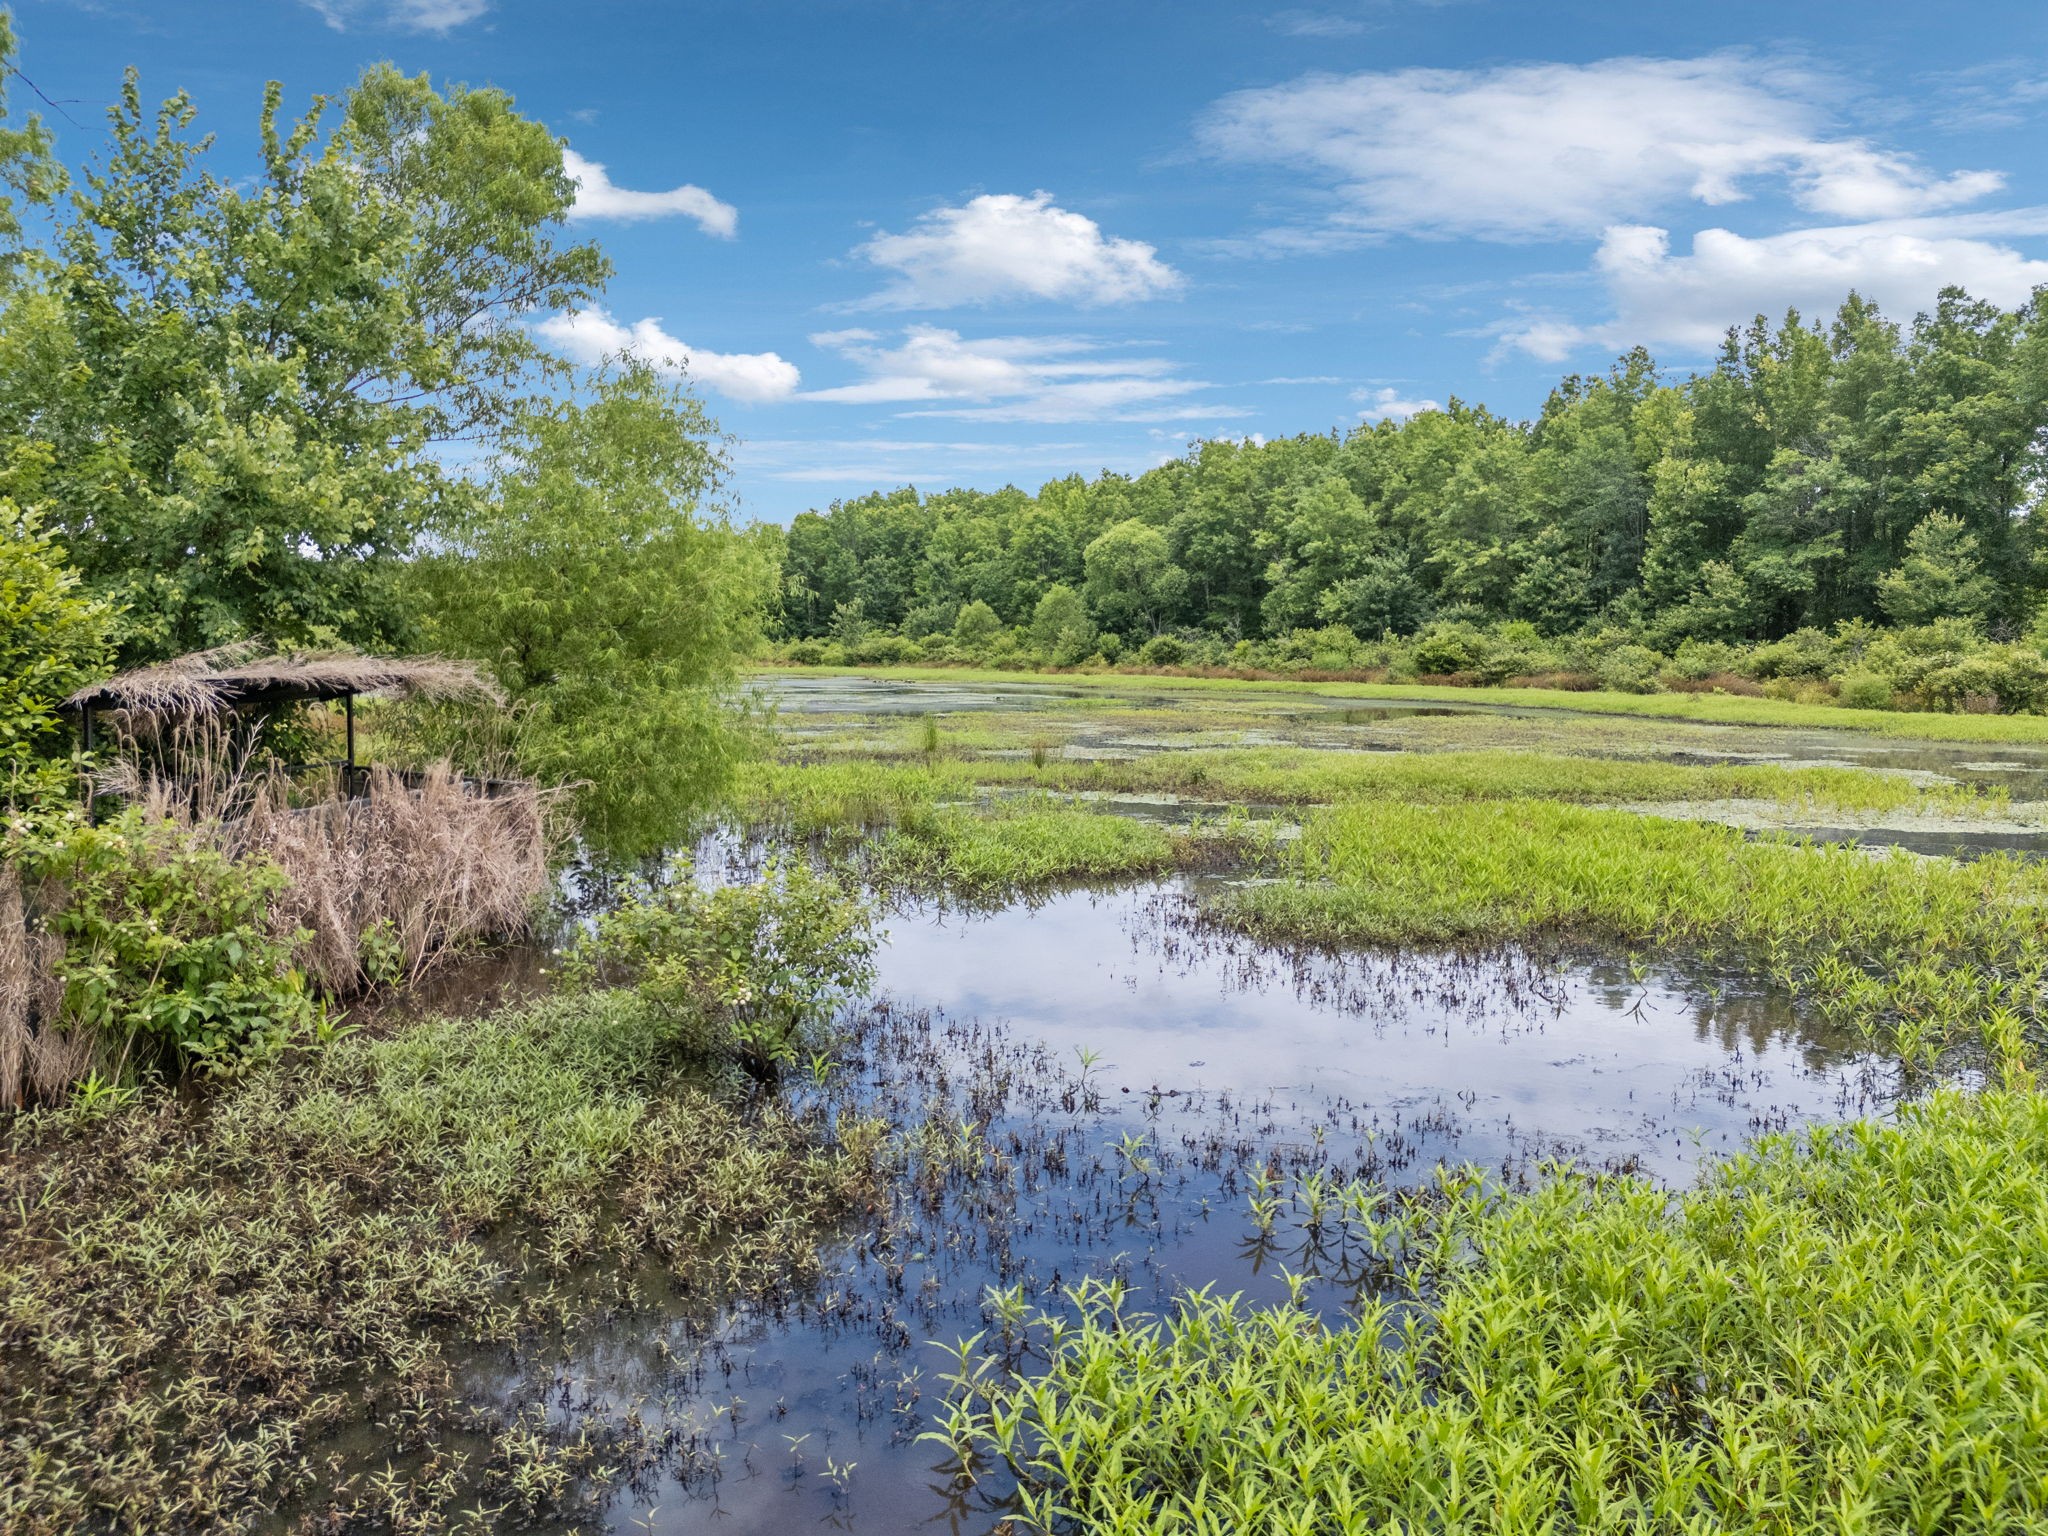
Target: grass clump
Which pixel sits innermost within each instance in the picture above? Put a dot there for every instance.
(1012, 846)
(1842, 1333)
(1305, 775)
(196, 1295)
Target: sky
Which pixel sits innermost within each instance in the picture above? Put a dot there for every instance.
(932, 243)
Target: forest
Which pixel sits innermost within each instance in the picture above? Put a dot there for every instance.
(1825, 480)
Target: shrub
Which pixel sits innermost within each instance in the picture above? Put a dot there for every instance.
(977, 626)
(1446, 647)
(1803, 653)
(1630, 669)
(1163, 651)
(807, 653)
(747, 972)
(160, 949)
(1863, 690)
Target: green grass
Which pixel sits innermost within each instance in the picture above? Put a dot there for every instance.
(847, 792)
(1844, 1334)
(1713, 709)
(1306, 775)
(197, 1296)
(1933, 956)
(1009, 847)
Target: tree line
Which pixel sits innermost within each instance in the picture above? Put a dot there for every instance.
(1818, 473)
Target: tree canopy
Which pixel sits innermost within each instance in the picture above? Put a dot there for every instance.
(1816, 474)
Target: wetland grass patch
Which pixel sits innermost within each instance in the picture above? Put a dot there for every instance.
(1839, 1332)
(203, 1300)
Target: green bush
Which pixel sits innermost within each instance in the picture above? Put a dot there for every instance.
(169, 955)
(746, 972)
(1447, 647)
(807, 653)
(1863, 690)
(1630, 669)
(1163, 651)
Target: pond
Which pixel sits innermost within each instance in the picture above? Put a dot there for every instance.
(1087, 1084)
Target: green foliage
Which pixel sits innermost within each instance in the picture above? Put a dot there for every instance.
(1839, 1333)
(1016, 847)
(976, 627)
(1817, 475)
(750, 972)
(225, 392)
(169, 952)
(53, 640)
(201, 1291)
(1060, 626)
(1939, 578)
(611, 603)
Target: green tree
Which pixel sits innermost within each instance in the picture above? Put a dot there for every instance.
(227, 394)
(977, 626)
(1940, 577)
(53, 640)
(1132, 581)
(610, 602)
(1060, 626)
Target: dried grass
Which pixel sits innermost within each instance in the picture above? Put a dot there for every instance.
(411, 868)
(209, 682)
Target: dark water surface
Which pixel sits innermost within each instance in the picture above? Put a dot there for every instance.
(1083, 1086)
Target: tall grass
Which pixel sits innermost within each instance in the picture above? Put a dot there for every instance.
(1842, 1334)
(1019, 845)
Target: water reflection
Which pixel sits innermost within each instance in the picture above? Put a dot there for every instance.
(1021, 1053)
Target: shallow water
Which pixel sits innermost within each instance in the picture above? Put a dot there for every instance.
(1017, 1049)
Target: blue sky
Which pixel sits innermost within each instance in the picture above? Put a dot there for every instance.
(975, 244)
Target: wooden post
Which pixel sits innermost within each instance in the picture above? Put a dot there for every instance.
(348, 706)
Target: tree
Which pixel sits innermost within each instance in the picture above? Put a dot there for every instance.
(1940, 577)
(610, 603)
(53, 640)
(1060, 626)
(1131, 581)
(226, 394)
(977, 627)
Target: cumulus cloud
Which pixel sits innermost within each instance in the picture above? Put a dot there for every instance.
(1542, 150)
(591, 335)
(401, 15)
(1387, 405)
(938, 372)
(1688, 300)
(1004, 247)
(598, 198)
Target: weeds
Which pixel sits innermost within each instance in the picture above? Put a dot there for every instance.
(229, 1275)
(1839, 1333)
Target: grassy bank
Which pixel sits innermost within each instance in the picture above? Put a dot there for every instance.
(1838, 1334)
(216, 1307)
(1704, 708)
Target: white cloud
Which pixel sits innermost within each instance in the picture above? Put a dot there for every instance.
(1320, 24)
(591, 335)
(1387, 405)
(1537, 150)
(1002, 247)
(401, 15)
(1689, 300)
(1011, 378)
(598, 198)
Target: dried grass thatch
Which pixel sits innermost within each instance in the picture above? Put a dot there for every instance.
(208, 682)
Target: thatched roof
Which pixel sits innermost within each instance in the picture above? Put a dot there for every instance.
(237, 676)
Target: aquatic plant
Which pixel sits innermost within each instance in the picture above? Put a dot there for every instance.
(200, 1300)
(1839, 1332)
